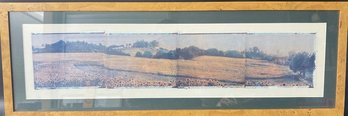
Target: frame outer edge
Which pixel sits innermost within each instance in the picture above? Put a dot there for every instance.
(6, 63)
(178, 6)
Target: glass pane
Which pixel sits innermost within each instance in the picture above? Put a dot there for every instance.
(96, 52)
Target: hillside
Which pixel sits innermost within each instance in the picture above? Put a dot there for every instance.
(210, 67)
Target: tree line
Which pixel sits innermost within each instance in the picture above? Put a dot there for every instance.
(179, 53)
(191, 52)
(79, 46)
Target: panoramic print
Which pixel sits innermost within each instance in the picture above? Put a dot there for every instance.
(172, 60)
(102, 60)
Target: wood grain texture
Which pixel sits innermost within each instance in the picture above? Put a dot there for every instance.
(180, 6)
(6, 63)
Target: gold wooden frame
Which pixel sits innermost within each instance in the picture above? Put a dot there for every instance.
(342, 7)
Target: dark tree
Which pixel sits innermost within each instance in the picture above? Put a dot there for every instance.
(311, 63)
(172, 54)
(82, 46)
(214, 52)
(138, 54)
(147, 54)
(145, 44)
(256, 53)
(233, 54)
(191, 52)
(302, 62)
(140, 44)
(154, 43)
(55, 47)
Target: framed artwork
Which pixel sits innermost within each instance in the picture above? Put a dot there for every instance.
(119, 58)
(174, 60)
